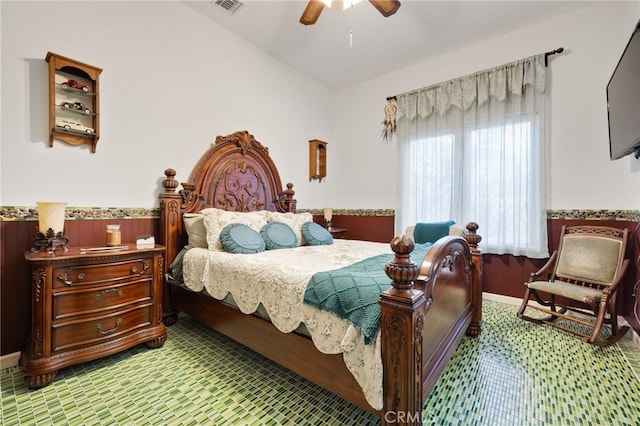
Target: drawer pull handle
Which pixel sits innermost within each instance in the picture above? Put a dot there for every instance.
(140, 269)
(64, 277)
(105, 332)
(111, 290)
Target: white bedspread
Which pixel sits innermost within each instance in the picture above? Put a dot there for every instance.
(277, 279)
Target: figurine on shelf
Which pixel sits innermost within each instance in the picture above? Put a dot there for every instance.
(72, 125)
(77, 106)
(75, 85)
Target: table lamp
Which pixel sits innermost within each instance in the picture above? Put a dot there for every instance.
(328, 214)
(50, 227)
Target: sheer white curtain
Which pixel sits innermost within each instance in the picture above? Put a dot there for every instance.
(473, 149)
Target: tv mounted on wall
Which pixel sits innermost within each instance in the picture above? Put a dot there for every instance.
(623, 101)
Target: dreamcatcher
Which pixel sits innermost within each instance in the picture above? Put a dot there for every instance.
(389, 122)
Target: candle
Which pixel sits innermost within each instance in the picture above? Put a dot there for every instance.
(113, 235)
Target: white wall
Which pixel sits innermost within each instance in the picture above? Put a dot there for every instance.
(582, 176)
(172, 81)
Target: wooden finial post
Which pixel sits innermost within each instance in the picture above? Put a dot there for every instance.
(290, 202)
(402, 270)
(170, 183)
(402, 323)
(476, 291)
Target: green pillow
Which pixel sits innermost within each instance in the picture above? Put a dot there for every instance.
(431, 232)
(278, 235)
(238, 238)
(315, 235)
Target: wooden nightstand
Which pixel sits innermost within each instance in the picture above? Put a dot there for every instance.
(340, 233)
(90, 304)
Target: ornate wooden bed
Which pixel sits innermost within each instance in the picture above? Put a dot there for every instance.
(425, 313)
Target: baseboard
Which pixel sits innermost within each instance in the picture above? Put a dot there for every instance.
(9, 360)
(635, 337)
(502, 299)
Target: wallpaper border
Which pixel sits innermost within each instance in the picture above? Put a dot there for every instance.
(13, 213)
(19, 213)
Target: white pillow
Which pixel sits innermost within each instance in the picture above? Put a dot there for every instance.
(196, 232)
(216, 219)
(294, 220)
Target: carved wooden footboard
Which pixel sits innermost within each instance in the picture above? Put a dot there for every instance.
(424, 315)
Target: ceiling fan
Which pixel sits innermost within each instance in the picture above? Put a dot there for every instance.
(314, 8)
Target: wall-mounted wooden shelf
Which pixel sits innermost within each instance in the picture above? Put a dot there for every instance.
(317, 160)
(74, 101)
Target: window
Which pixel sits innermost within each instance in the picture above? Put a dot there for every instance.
(484, 164)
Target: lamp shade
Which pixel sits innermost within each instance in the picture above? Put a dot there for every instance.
(328, 214)
(51, 216)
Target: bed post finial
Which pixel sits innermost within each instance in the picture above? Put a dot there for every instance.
(402, 270)
(402, 323)
(476, 289)
(170, 234)
(289, 201)
(170, 184)
(472, 238)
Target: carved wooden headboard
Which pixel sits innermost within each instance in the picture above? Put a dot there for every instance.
(236, 173)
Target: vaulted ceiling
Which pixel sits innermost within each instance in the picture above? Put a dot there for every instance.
(345, 47)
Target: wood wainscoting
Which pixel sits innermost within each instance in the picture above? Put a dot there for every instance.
(503, 275)
(15, 289)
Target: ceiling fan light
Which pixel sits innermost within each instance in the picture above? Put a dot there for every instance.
(327, 2)
(349, 3)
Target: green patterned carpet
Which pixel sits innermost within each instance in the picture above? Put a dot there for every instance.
(515, 373)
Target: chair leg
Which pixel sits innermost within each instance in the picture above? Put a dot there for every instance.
(609, 340)
(554, 308)
(616, 332)
(523, 306)
(551, 303)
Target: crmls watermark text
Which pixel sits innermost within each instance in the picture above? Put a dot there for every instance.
(402, 417)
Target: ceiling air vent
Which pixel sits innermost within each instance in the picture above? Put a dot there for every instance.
(229, 6)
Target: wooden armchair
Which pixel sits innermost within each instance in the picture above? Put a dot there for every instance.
(583, 276)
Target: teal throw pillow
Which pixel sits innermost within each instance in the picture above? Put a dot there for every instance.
(430, 232)
(278, 235)
(316, 235)
(239, 238)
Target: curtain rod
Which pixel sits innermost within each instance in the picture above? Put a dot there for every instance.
(546, 64)
(551, 52)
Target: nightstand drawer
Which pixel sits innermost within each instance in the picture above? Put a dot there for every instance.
(101, 273)
(74, 334)
(81, 301)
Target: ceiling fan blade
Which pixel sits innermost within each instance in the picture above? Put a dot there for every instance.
(312, 12)
(386, 7)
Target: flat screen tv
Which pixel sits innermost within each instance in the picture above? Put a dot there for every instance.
(623, 101)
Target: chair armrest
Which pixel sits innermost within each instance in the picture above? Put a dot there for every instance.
(616, 283)
(546, 269)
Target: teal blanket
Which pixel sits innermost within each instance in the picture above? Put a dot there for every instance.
(353, 292)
